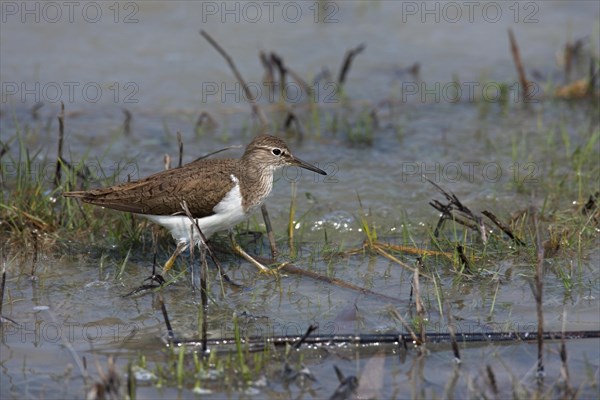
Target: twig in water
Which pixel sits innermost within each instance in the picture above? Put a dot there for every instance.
(202, 118)
(564, 368)
(192, 264)
(291, 117)
(127, 122)
(3, 150)
(591, 204)
(348, 58)
(109, 386)
(130, 381)
(311, 329)
(292, 269)
(268, 66)
(61, 137)
(463, 259)
(418, 303)
(291, 222)
(249, 96)
(569, 54)
(278, 62)
(406, 325)
(593, 77)
(180, 144)
(504, 227)
(374, 118)
(34, 110)
(204, 299)
(537, 293)
(492, 379)
(379, 249)
(448, 212)
(284, 70)
(347, 387)
(2, 285)
(203, 281)
(452, 332)
(163, 308)
(324, 75)
(514, 48)
(35, 237)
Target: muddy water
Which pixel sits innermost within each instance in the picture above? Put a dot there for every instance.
(152, 62)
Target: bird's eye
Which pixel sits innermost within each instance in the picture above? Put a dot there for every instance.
(276, 152)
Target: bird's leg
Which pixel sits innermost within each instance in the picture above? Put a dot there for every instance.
(241, 252)
(181, 247)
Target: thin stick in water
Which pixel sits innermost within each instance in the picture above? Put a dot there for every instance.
(2, 285)
(204, 298)
(180, 143)
(492, 379)
(311, 329)
(419, 305)
(348, 58)
(537, 293)
(564, 369)
(127, 122)
(291, 222)
(61, 137)
(163, 308)
(452, 332)
(514, 48)
(249, 96)
(503, 226)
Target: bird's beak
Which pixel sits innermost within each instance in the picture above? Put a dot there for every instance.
(303, 164)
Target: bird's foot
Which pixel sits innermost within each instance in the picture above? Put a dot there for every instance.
(242, 253)
(181, 247)
(147, 287)
(274, 266)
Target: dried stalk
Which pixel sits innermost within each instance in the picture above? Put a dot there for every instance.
(255, 107)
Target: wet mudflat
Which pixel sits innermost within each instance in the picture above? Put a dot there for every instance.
(365, 225)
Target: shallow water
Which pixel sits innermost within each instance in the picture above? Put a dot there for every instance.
(490, 156)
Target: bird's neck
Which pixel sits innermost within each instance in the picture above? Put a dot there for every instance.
(256, 182)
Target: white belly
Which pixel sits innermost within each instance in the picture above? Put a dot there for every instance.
(228, 213)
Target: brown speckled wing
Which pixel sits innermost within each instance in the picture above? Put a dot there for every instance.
(202, 184)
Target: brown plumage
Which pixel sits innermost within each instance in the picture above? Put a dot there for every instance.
(202, 184)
